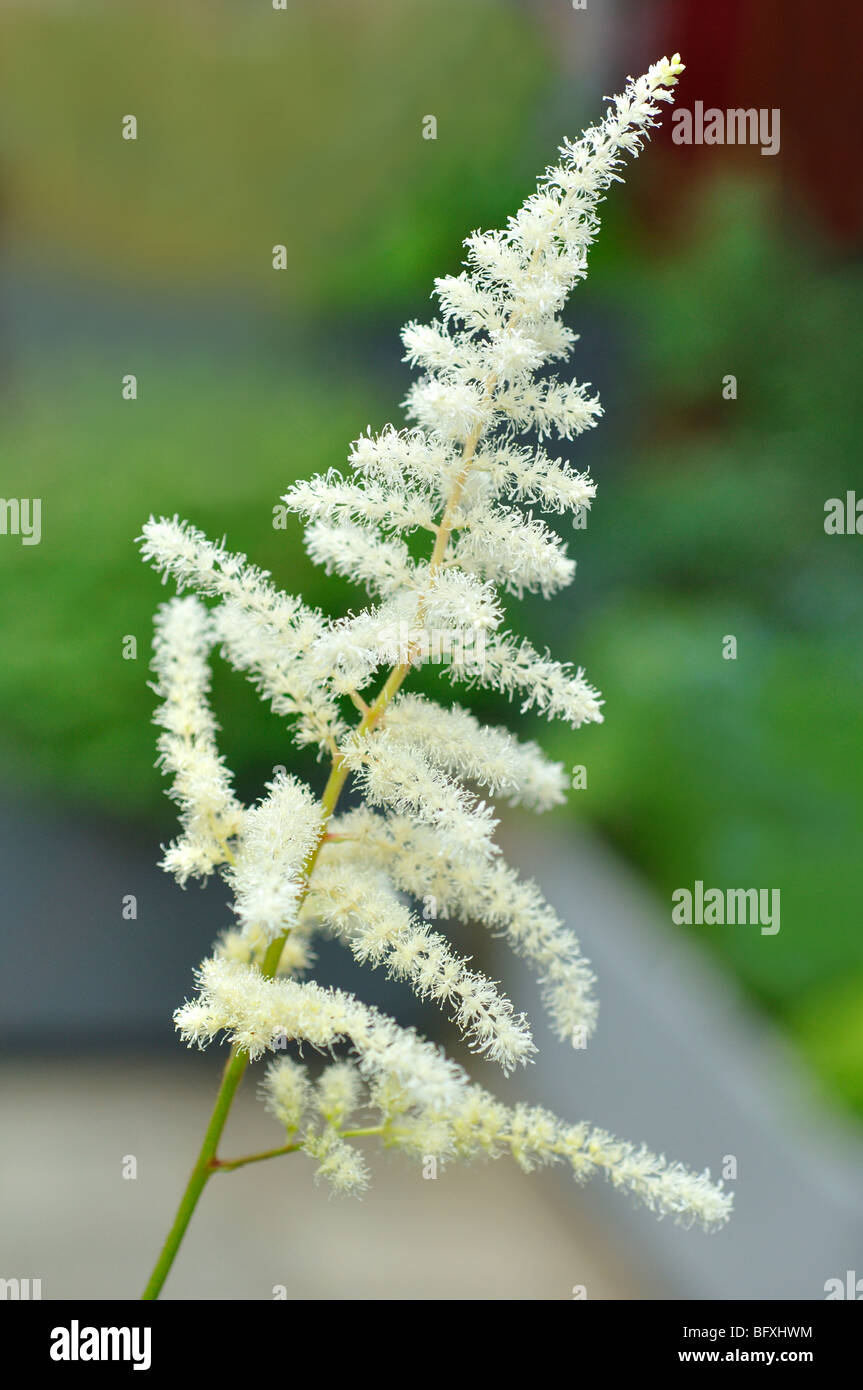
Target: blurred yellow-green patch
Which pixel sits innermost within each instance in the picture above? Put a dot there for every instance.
(256, 128)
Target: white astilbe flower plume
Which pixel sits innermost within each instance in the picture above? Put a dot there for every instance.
(209, 811)
(475, 1125)
(360, 906)
(277, 837)
(487, 891)
(458, 743)
(469, 473)
(258, 1015)
(393, 770)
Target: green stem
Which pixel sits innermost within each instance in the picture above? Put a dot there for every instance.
(227, 1165)
(234, 1072)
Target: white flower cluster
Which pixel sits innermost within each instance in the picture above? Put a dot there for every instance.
(423, 833)
(345, 1103)
(260, 1014)
(209, 811)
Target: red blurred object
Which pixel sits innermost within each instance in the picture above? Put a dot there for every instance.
(803, 59)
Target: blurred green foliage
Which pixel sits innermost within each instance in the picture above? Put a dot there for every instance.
(259, 127)
(828, 1023)
(205, 441)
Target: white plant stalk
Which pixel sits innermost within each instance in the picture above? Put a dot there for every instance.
(466, 473)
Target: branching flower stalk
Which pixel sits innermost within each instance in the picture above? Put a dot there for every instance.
(466, 473)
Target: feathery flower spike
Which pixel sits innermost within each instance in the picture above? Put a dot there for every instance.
(469, 470)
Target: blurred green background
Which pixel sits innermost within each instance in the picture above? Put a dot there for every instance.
(304, 128)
